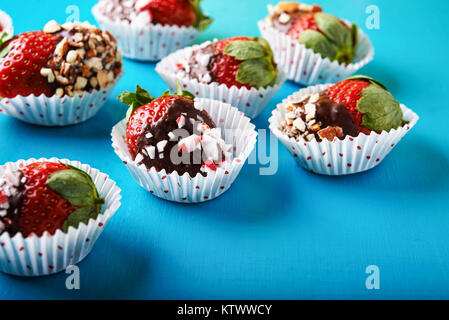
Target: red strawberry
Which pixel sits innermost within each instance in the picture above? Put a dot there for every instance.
(42, 208)
(147, 114)
(225, 67)
(378, 110)
(348, 93)
(304, 22)
(3, 199)
(52, 196)
(146, 110)
(172, 12)
(243, 62)
(25, 55)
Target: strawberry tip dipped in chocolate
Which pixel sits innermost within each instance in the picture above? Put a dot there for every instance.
(46, 197)
(325, 34)
(170, 133)
(237, 61)
(60, 60)
(352, 106)
(164, 12)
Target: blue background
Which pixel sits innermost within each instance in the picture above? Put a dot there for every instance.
(287, 236)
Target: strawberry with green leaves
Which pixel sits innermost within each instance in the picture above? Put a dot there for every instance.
(171, 133)
(244, 62)
(54, 196)
(176, 12)
(368, 101)
(146, 110)
(21, 60)
(326, 35)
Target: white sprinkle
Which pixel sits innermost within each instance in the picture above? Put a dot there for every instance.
(151, 150)
(172, 136)
(139, 158)
(181, 121)
(148, 135)
(161, 145)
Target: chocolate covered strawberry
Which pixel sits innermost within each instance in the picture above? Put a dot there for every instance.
(323, 33)
(170, 133)
(22, 59)
(68, 59)
(238, 61)
(357, 104)
(45, 197)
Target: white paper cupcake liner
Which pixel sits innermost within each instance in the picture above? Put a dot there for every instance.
(306, 67)
(146, 43)
(54, 111)
(339, 157)
(250, 101)
(183, 188)
(45, 255)
(6, 22)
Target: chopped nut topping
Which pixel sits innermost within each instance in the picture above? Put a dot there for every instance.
(288, 6)
(284, 18)
(329, 133)
(52, 27)
(85, 59)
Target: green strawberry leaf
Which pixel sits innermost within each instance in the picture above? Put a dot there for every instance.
(333, 29)
(82, 215)
(355, 36)
(259, 72)
(180, 92)
(341, 36)
(380, 109)
(77, 187)
(245, 50)
(4, 46)
(202, 21)
(316, 41)
(3, 38)
(135, 99)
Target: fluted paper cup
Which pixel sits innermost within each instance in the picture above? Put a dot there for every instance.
(306, 67)
(186, 189)
(146, 43)
(6, 22)
(339, 157)
(54, 111)
(250, 101)
(50, 254)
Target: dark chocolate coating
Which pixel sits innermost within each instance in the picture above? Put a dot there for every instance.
(11, 218)
(197, 70)
(167, 124)
(335, 115)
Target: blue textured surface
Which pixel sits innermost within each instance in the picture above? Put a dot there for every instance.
(291, 235)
